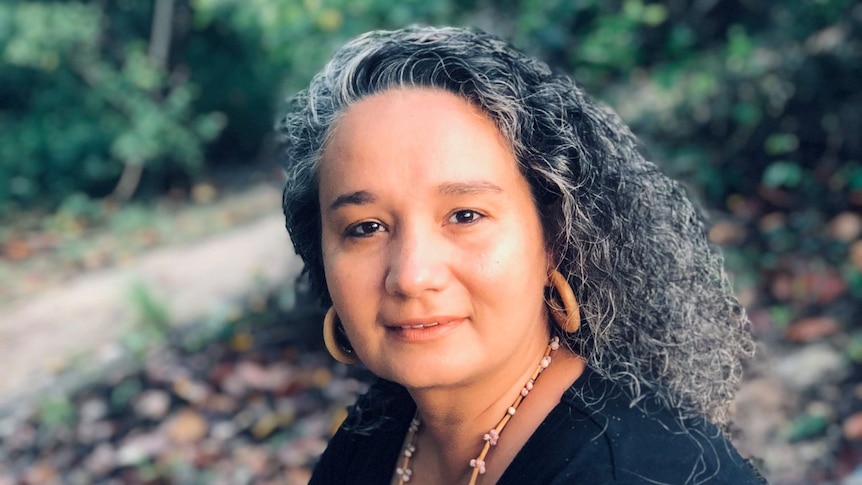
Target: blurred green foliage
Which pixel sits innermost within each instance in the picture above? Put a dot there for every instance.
(754, 97)
(81, 101)
(56, 412)
(731, 96)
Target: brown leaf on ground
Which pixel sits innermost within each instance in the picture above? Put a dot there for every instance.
(192, 391)
(726, 233)
(102, 460)
(152, 404)
(825, 286)
(846, 226)
(141, 447)
(771, 222)
(852, 427)
(256, 459)
(811, 329)
(187, 426)
(856, 254)
(264, 378)
(42, 473)
(17, 250)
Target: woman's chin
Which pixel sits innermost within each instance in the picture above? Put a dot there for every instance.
(428, 370)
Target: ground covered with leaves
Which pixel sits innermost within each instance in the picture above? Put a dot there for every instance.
(251, 404)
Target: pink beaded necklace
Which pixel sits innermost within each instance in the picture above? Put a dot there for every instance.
(405, 473)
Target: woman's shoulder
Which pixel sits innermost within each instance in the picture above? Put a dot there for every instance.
(596, 435)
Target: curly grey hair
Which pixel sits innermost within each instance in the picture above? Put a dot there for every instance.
(659, 317)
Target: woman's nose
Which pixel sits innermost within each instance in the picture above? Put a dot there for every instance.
(417, 264)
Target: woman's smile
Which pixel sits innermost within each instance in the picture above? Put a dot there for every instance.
(425, 329)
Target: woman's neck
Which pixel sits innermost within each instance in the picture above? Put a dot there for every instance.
(454, 420)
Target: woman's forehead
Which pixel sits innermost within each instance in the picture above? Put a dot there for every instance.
(415, 135)
(412, 107)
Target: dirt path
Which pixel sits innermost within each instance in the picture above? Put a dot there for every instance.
(84, 317)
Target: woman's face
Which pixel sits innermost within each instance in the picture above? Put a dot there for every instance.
(432, 245)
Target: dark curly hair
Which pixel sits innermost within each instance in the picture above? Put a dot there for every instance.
(658, 313)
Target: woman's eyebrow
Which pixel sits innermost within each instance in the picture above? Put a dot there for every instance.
(468, 188)
(360, 197)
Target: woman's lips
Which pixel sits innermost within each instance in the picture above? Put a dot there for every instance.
(421, 322)
(419, 326)
(417, 331)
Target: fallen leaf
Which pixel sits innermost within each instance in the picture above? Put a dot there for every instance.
(102, 460)
(265, 425)
(152, 404)
(17, 250)
(192, 391)
(726, 233)
(254, 458)
(42, 473)
(141, 447)
(241, 342)
(852, 427)
(264, 378)
(811, 329)
(846, 226)
(856, 254)
(186, 426)
(771, 222)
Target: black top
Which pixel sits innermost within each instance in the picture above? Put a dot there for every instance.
(593, 436)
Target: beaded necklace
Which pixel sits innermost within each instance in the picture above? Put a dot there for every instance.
(405, 473)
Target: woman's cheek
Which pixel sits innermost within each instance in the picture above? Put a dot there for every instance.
(495, 257)
(353, 279)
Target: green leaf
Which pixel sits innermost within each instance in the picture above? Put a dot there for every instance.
(209, 126)
(739, 45)
(781, 315)
(57, 411)
(805, 427)
(854, 347)
(782, 174)
(151, 312)
(122, 394)
(654, 14)
(853, 277)
(781, 143)
(747, 114)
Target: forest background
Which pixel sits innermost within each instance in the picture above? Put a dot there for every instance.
(108, 109)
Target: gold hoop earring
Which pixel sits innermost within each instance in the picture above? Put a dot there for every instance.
(330, 339)
(569, 316)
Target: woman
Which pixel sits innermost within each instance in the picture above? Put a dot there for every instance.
(539, 302)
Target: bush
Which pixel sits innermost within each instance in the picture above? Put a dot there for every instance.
(83, 102)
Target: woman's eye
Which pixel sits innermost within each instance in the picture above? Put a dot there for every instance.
(364, 229)
(465, 216)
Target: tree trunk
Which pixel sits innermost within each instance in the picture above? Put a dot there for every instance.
(159, 49)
